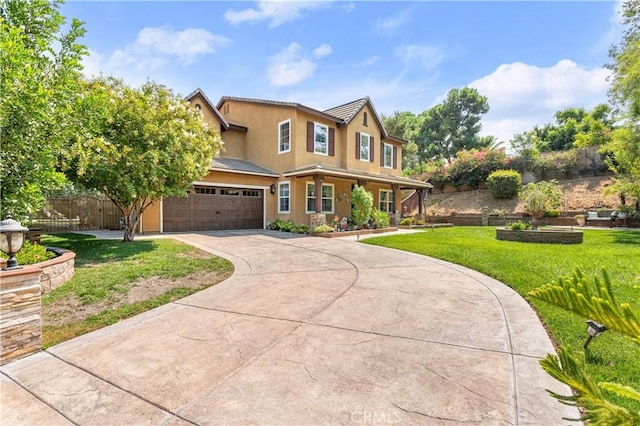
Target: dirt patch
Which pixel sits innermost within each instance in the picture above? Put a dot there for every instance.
(580, 195)
(71, 309)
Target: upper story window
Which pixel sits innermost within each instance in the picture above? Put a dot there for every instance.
(365, 145)
(364, 119)
(389, 159)
(284, 136)
(321, 139)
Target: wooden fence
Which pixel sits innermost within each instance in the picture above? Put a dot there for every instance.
(77, 214)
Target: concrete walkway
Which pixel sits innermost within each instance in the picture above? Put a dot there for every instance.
(306, 331)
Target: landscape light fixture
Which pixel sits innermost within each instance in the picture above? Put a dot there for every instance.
(594, 329)
(11, 240)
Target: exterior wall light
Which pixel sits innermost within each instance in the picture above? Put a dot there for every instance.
(594, 329)
(272, 188)
(11, 240)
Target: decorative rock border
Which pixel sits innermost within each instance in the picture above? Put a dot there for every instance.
(556, 236)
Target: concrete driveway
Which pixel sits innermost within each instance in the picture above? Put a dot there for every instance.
(306, 331)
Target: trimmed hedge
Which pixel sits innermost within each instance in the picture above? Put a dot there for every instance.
(504, 183)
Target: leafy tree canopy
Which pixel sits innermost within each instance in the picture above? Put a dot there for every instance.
(453, 125)
(139, 145)
(38, 86)
(624, 147)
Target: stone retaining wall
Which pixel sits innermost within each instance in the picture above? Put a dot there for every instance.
(540, 236)
(57, 271)
(20, 310)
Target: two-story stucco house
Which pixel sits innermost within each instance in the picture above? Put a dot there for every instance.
(286, 160)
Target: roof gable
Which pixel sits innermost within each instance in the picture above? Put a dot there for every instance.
(198, 92)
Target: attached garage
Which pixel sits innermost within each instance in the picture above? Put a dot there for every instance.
(209, 208)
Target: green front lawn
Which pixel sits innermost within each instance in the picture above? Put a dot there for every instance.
(526, 266)
(107, 270)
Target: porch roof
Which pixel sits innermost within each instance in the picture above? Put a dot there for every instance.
(233, 165)
(329, 170)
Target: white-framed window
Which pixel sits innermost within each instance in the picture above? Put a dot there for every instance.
(388, 156)
(321, 139)
(284, 197)
(386, 201)
(284, 136)
(365, 147)
(327, 198)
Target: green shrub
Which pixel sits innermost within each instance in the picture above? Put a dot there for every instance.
(31, 253)
(552, 213)
(380, 218)
(406, 221)
(541, 197)
(300, 229)
(276, 225)
(474, 166)
(519, 226)
(362, 201)
(504, 183)
(323, 227)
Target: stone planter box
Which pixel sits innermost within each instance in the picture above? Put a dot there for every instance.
(58, 270)
(540, 236)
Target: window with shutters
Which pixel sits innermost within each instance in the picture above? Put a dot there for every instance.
(284, 136)
(365, 144)
(388, 156)
(321, 139)
(386, 201)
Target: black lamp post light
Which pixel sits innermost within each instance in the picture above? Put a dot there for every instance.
(594, 329)
(12, 235)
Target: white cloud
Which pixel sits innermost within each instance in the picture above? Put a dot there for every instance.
(290, 66)
(275, 12)
(522, 95)
(426, 57)
(188, 44)
(392, 23)
(155, 47)
(368, 62)
(322, 50)
(92, 64)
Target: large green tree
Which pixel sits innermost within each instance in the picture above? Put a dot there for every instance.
(39, 73)
(452, 126)
(575, 128)
(624, 148)
(405, 125)
(139, 145)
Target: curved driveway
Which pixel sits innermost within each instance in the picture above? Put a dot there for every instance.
(306, 331)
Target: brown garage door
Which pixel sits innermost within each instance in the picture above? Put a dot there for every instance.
(211, 208)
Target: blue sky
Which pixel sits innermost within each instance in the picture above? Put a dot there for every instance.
(529, 58)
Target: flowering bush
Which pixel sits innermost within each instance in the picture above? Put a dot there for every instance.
(474, 166)
(31, 253)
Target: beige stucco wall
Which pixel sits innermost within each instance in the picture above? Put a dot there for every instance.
(261, 144)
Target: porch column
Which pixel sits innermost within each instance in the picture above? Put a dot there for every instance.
(421, 193)
(397, 198)
(318, 185)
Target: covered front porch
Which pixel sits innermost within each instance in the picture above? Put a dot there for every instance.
(326, 190)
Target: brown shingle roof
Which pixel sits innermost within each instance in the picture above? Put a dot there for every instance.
(281, 104)
(347, 111)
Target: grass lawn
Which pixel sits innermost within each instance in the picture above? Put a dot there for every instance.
(109, 272)
(526, 266)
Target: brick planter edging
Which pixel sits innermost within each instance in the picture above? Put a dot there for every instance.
(540, 236)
